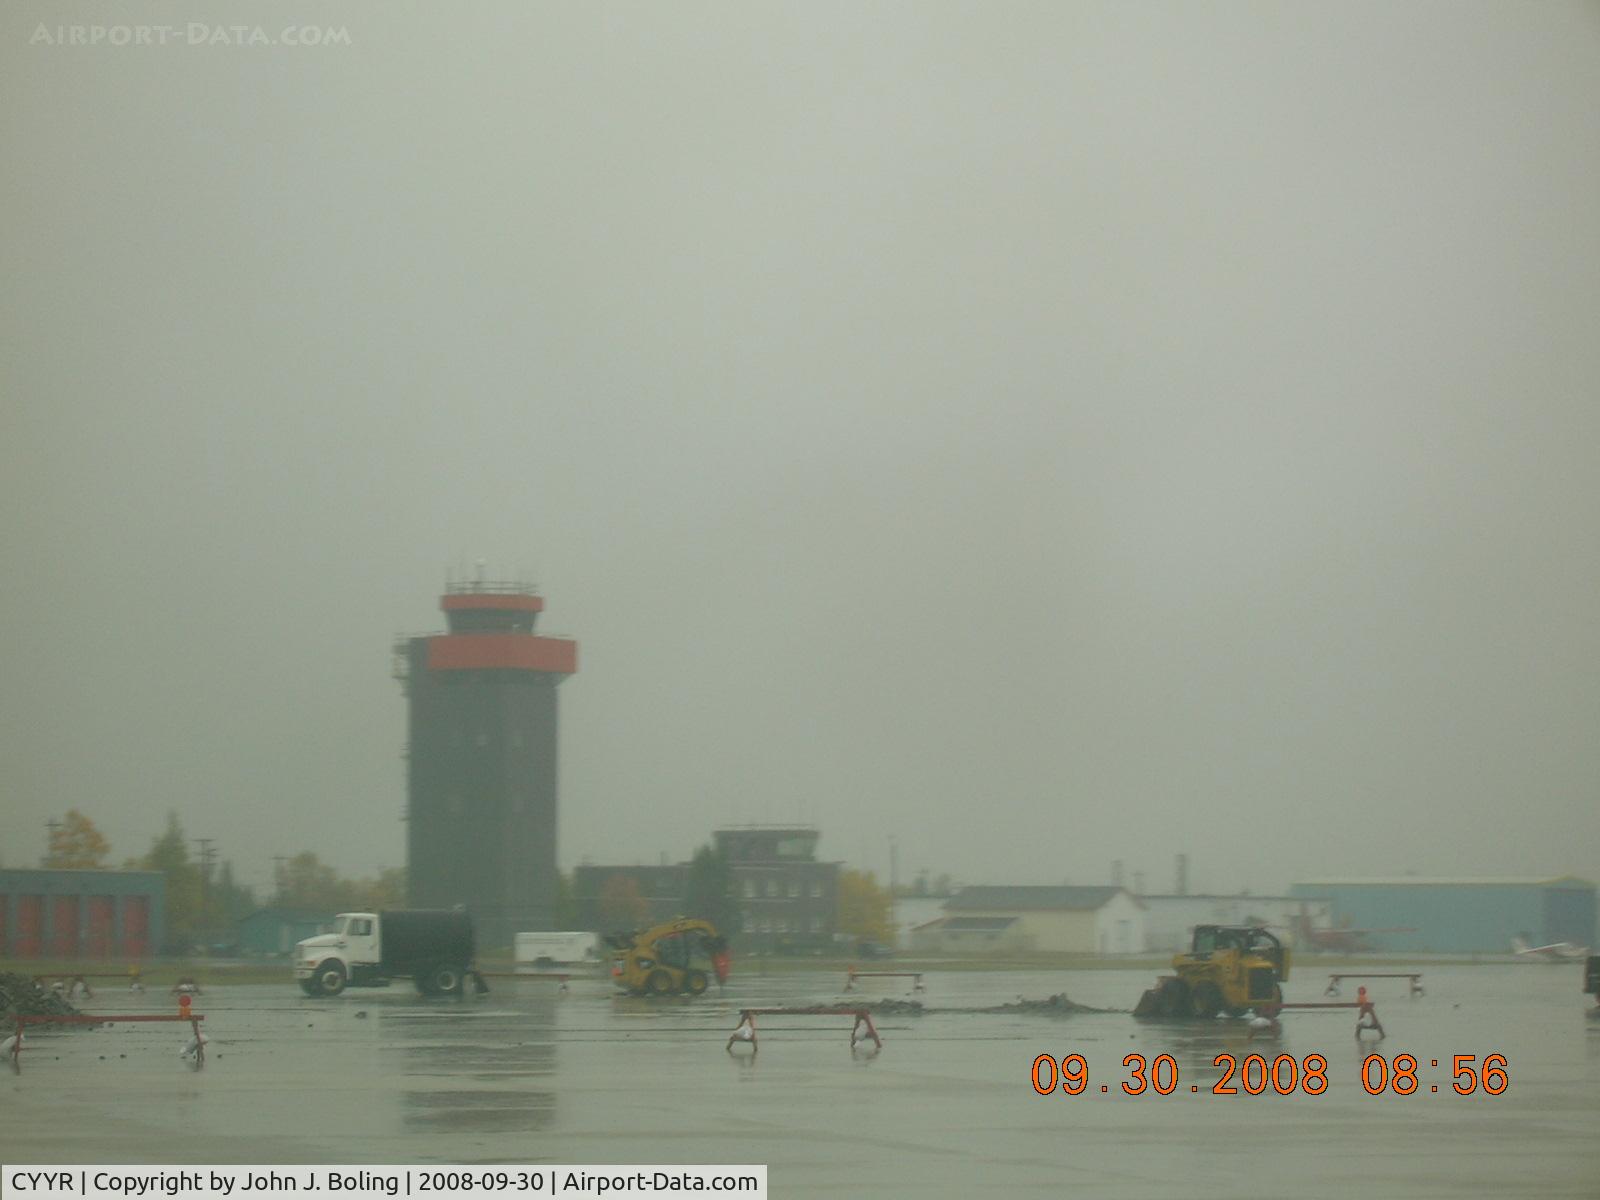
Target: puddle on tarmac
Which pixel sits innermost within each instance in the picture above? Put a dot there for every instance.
(947, 1108)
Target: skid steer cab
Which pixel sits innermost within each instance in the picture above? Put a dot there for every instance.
(1228, 969)
(434, 948)
(679, 957)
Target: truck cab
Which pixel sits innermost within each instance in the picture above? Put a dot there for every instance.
(434, 948)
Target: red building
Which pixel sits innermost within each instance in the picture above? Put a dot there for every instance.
(76, 916)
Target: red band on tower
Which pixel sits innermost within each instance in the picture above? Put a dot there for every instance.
(502, 652)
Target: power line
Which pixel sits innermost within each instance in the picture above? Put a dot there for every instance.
(207, 855)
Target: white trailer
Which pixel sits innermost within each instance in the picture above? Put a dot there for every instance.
(556, 949)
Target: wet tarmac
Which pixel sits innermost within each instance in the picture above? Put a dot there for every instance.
(947, 1108)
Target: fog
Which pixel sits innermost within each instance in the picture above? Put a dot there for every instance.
(1040, 434)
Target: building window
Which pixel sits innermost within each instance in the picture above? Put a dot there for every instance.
(766, 927)
(794, 889)
(816, 926)
(749, 923)
(772, 887)
(816, 889)
(749, 891)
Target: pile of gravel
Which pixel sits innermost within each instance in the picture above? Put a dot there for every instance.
(896, 1008)
(20, 996)
(1056, 1006)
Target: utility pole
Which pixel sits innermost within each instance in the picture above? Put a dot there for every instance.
(206, 855)
(894, 888)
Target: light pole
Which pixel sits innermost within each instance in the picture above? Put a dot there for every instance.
(894, 891)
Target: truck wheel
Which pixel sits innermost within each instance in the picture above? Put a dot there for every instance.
(1205, 1001)
(695, 982)
(308, 986)
(658, 983)
(330, 978)
(446, 980)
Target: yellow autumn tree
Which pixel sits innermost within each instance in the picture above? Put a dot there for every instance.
(864, 907)
(76, 844)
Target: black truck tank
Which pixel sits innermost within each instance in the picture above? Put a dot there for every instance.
(415, 939)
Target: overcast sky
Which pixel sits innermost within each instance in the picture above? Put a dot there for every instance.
(1042, 433)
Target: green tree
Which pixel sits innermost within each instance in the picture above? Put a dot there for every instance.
(305, 881)
(186, 918)
(864, 907)
(709, 893)
(230, 901)
(386, 889)
(75, 844)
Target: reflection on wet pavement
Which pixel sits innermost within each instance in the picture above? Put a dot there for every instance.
(947, 1107)
(482, 1112)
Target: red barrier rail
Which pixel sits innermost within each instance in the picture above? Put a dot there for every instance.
(851, 975)
(197, 1047)
(745, 1031)
(1366, 1017)
(1414, 976)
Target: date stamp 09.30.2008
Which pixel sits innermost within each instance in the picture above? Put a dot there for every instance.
(1285, 1075)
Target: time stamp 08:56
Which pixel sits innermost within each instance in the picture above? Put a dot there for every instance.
(1258, 1075)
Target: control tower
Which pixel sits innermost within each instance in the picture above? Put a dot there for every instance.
(481, 773)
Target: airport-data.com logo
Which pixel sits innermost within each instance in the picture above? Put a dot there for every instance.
(194, 33)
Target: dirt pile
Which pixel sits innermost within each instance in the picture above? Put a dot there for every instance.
(1055, 1006)
(896, 1008)
(21, 996)
(1058, 1005)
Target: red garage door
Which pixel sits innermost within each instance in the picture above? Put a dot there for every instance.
(30, 926)
(64, 927)
(101, 911)
(135, 926)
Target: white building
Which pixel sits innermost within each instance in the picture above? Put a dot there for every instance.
(1050, 920)
(910, 912)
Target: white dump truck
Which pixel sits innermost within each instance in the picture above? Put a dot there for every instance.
(432, 947)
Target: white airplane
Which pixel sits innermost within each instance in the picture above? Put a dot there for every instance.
(1554, 952)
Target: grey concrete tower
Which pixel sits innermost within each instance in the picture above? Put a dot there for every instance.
(481, 759)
